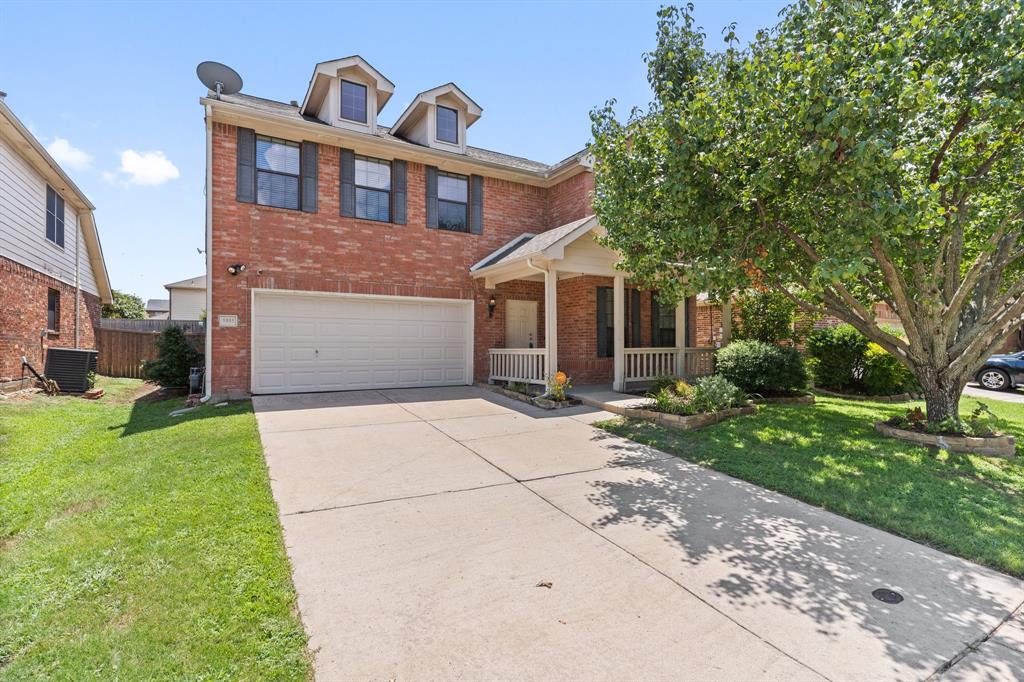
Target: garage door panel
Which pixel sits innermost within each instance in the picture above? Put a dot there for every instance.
(362, 343)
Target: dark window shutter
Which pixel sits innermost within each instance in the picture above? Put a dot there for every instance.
(245, 180)
(308, 163)
(399, 193)
(691, 321)
(602, 322)
(348, 183)
(655, 322)
(476, 208)
(431, 196)
(634, 318)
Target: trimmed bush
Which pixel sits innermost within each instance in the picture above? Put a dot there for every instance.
(714, 393)
(175, 357)
(837, 356)
(884, 374)
(763, 368)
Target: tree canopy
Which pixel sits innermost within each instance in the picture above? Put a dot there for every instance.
(857, 152)
(127, 306)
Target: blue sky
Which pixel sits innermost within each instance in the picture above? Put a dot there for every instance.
(111, 88)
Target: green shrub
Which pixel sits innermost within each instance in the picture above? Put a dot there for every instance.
(175, 357)
(837, 356)
(884, 374)
(762, 368)
(662, 381)
(765, 316)
(666, 400)
(715, 393)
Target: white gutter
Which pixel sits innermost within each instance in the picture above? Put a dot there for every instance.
(208, 348)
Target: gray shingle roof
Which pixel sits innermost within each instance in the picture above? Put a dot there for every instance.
(158, 305)
(276, 108)
(527, 245)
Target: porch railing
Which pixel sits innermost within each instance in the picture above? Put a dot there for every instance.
(526, 365)
(647, 364)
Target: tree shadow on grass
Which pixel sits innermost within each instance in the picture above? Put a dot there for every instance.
(802, 573)
(150, 415)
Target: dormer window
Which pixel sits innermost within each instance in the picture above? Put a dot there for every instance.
(353, 101)
(447, 124)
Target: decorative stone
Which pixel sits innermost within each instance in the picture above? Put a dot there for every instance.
(787, 400)
(991, 446)
(898, 398)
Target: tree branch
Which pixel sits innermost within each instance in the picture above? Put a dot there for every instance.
(958, 127)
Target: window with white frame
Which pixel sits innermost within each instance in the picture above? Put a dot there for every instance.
(373, 189)
(353, 101)
(452, 202)
(277, 172)
(447, 124)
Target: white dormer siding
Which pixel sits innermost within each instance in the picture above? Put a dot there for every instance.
(418, 123)
(323, 98)
(23, 224)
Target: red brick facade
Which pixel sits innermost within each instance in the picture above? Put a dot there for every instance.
(23, 302)
(322, 251)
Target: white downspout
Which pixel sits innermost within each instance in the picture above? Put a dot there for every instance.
(78, 275)
(208, 354)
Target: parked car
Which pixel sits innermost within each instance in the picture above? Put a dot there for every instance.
(1002, 372)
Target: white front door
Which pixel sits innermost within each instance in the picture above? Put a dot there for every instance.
(337, 342)
(521, 324)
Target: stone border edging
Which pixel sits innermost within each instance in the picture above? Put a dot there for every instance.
(993, 446)
(536, 400)
(786, 400)
(687, 422)
(897, 398)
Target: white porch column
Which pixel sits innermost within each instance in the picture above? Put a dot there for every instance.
(727, 320)
(551, 319)
(619, 319)
(681, 322)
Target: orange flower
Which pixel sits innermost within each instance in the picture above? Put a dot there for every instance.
(561, 378)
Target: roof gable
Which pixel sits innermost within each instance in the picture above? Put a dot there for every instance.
(319, 82)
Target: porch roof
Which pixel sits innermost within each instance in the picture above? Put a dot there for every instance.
(529, 254)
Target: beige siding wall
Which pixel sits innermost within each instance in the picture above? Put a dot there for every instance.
(23, 224)
(187, 304)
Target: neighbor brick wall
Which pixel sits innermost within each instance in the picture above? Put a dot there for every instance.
(285, 249)
(23, 299)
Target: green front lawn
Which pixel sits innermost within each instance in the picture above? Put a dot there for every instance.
(829, 455)
(134, 545)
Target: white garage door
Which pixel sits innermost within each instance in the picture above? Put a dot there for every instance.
(339, 342)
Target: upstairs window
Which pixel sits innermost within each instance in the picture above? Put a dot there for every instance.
(277, 172)
(52, 310)
(452, 202)
(353, 101)
(447, 125)
(54, 217)
(373, 189)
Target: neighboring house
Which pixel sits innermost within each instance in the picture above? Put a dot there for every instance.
(158, 309)
(344, 254)
(52, 275)
(188, 298)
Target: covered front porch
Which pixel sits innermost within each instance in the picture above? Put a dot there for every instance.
(562, 305)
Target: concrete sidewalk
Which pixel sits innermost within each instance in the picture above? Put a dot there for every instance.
(454, 533)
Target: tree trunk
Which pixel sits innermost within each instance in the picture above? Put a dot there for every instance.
(941, 394)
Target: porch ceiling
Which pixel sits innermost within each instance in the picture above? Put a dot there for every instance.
(569, 250)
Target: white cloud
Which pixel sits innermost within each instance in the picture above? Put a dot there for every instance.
(68, 155)
(147, 168)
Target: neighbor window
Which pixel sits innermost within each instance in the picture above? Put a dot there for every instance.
(277, 172)
(447, 125)
(54, 217)
(373, 189)
(452, 202)
(52, 310)
(353, 101)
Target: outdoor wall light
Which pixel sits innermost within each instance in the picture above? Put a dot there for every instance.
(236, 268)
(491, 305)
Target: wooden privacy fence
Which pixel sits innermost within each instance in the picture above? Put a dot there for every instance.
(122, 351)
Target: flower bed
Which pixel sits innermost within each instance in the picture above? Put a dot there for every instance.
(992, 446)
(686, 422)
(798, 399)
(523, 394)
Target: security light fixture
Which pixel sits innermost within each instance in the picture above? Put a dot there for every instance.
(491, 305)
(236, 268)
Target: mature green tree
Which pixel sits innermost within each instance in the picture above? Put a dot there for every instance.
(126, 306)
(861, 151)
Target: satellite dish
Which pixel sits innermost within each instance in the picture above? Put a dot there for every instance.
(219, 78)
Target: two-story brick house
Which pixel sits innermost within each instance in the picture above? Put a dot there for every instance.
(53, 278)
(343, 254)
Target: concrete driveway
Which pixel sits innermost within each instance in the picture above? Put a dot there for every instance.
(451, 533)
